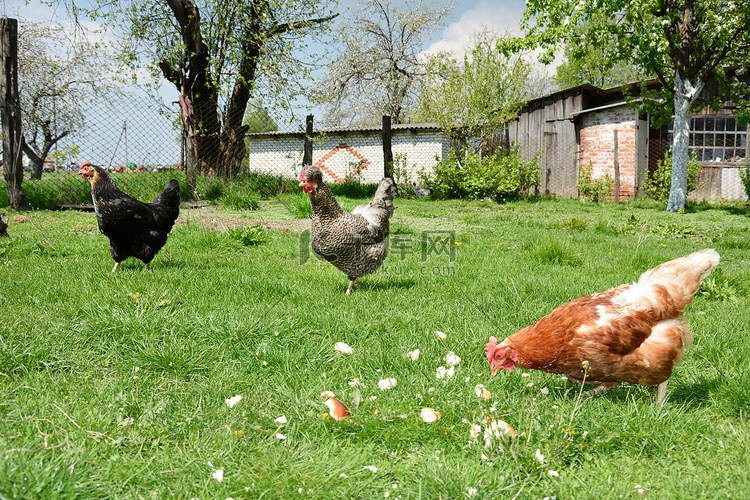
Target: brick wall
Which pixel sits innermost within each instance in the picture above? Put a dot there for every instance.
(343, 155)
(597, 145)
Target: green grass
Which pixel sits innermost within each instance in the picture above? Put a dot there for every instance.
(114, 386)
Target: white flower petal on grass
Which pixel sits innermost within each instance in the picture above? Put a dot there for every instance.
(451, 359)
(233, 401)
(553, 473)
(354, 382)
(281, 420)
(371, 468)
(482, 392)
(429, 415)
(544, 391)
(538, 455)
(443, 372)
(343, 348)
(218, 475)
(440, 335)
(413, 355)
(472, 492)
(280, 436)
(475, 431)
(387, 383)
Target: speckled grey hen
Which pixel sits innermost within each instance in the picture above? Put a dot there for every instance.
(353, 242)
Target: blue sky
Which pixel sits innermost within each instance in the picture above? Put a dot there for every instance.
(467, 17)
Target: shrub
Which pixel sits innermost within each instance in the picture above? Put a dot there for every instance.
(745, 177)
(590, 189)
(502, 176)
(659, 183)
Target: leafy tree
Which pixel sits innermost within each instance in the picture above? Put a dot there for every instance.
(683, 43)
(595, 65)
(471, 99)
(257, 119)
(379, 62)
(59, 74)
(220, 53)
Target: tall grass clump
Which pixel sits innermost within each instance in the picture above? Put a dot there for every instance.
(238, 200)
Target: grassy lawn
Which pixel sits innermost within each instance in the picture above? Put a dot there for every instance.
(115, 386)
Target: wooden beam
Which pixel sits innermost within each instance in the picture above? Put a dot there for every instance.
(10, 114)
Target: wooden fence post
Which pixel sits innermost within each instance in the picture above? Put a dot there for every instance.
(10, 114)
(617, 169)
(387, 151)
(307, 155)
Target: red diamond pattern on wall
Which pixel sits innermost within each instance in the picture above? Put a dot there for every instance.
(343, 151)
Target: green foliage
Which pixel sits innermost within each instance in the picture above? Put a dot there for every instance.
(593, 64)
(353, 188)
(249, 235)
(298, 205)
(471, 99)
(240, 201)
(503, 176)
(596, 190)
(745, 177)
(659, 182)
(258, 119)
(712, 288)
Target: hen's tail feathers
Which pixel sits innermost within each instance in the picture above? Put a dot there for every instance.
(680, 277)
(380, 209)
(387, 191)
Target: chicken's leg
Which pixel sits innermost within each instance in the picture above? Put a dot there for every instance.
(600, 389)
(117, 264)
(662, 395)
(353, 282)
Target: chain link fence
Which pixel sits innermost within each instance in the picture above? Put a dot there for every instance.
(143, 143)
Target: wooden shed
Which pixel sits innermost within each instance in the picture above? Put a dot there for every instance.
(586, 125)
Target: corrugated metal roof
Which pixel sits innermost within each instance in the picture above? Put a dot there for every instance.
(339, 130)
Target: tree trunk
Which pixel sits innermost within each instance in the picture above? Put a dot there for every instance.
(10, 114)
(201, 90)
(685, 94)
(220, 151)
(37, 161)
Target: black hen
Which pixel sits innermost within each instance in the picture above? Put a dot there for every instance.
(134, 228)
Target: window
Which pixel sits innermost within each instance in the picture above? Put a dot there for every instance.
(716, 138)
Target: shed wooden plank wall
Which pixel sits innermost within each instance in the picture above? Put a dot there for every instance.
(546, 126)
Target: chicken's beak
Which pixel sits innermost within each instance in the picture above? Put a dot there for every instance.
(494, 370)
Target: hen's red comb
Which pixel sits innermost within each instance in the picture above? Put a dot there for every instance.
(490, 349)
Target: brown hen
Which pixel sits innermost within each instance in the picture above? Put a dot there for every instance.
(633, 333)
(353, 241)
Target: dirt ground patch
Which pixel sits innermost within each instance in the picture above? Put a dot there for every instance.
(207, 217)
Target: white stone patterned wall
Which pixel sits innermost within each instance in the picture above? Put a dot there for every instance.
(346, 155)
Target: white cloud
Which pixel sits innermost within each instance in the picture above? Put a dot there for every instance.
(504, 15)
